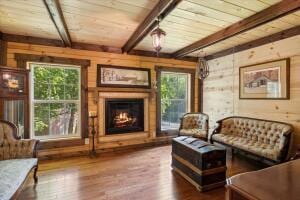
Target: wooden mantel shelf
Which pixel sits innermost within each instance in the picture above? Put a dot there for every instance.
(97, 90)
(109, 89)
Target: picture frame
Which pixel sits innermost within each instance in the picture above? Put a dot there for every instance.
(13, 81)
(267, 80)
(123, 77)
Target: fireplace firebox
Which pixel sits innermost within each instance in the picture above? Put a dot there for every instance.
(124, 116)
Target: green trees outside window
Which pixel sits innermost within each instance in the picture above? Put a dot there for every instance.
(174, 91)
(56, 100)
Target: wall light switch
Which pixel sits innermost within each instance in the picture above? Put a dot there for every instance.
(86, 141)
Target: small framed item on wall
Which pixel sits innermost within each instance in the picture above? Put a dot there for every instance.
(126, 77)
(13, 81)
(269, 80)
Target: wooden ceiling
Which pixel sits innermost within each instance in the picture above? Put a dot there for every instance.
(281, 24)
(113, 22)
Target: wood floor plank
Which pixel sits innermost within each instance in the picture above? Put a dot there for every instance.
(135, 174)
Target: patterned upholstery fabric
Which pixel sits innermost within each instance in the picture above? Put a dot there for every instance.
(16, 160)
(12, 174)
(10, 148)
(194, 124)
(260, 137)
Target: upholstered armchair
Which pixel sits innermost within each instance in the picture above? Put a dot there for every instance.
(11, 146)
(17, 160)
(194, 124)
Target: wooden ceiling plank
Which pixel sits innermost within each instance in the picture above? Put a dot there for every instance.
(225, 7)
(140, 3)
(291, 19)
(261, 41)
(209, 12)
(161, 9)
(199, 18)
(191, 23)
(254, 5)
(57, 17)
(273, 12)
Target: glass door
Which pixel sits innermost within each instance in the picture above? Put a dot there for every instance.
(175, 98)
(14, 111)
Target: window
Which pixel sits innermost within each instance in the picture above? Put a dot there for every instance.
(175, 96)
(55, 101)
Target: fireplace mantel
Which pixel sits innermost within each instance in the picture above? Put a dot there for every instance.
(97, 90)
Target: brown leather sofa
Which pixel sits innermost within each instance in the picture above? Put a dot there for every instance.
(17, 160)
(267, 140)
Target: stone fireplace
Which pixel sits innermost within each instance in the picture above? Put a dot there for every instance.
(124, 116)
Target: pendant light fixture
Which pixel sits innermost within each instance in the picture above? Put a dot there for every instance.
(158, 36)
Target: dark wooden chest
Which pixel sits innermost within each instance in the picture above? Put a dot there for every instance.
(201, 163)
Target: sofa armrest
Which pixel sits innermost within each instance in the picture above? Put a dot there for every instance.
(216, 130)
(181, 123)
(286, 148)
(23, 148)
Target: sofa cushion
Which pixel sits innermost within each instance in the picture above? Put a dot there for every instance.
(12, 175)
(253, 146)
(193, 132)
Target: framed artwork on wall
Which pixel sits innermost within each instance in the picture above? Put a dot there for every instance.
(125, 77)
(13, 81)
(269, 80)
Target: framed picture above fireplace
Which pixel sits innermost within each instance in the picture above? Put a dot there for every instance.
(126, 77)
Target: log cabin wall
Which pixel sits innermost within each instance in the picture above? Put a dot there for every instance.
(221, 88)
(101, 58)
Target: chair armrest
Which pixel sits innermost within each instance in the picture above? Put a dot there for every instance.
(24, 148)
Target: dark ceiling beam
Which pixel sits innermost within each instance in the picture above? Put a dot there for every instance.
(273, 12)
(84, 46)
(255, 43)
(32, 40)
(58, 19)
(161, 10)
(161, 55)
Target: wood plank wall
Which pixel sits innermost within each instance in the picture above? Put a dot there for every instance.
(103, 58)
(221, 88)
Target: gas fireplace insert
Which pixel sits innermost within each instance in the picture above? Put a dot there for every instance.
(124, 116)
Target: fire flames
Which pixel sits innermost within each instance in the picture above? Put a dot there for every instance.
(123, 119)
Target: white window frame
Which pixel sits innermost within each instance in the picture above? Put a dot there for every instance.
(33, 101)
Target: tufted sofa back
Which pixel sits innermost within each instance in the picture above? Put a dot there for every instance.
(195, 121)
(257, 130)
(11, 147)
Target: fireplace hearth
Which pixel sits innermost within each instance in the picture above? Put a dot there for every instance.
(124, 116)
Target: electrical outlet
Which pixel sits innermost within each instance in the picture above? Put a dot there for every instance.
(86, 141)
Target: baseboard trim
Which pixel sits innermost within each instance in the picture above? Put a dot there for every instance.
(84, 150)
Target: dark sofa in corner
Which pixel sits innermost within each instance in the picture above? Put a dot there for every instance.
(269, 141)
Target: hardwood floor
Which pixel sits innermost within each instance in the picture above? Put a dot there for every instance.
(136, 174)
